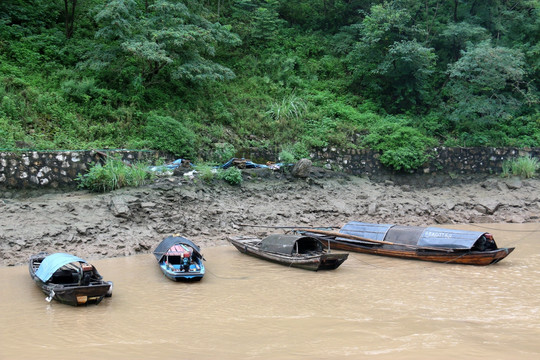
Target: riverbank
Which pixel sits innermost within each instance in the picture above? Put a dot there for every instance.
(133, 221)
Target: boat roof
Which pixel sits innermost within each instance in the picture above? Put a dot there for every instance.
(54, 262)
(171, 241)
(286, 244)
(412, 235)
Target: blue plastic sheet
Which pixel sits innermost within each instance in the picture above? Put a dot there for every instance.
(170, 166)
(248, 164)
(54, 262)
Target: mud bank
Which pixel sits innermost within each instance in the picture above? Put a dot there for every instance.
(133, 221)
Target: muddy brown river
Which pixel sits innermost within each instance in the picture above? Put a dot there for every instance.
(245, 308)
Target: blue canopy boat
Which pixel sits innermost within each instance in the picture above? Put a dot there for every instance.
(68, 279)
(180, 259)
(415, 242)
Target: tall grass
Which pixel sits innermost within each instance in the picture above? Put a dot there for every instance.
(114, 174)
(290, 108)
(524, 167)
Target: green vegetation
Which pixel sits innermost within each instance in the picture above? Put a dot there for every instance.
(114, 174)
(524, 167)
(208, 79)
(231, 175)
(207, 173)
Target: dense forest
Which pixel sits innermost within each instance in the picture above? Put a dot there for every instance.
(216, 76)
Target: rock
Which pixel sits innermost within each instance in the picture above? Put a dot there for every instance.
(442, 219)
(501, 186)
(148, 205)
(481, 209)
(119, 207)
(516, 219)
(302, 168)
(514, 183)
(490, 204)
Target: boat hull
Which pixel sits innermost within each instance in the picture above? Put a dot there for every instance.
(70, 294)
(466, 257)
(76, 295)
(182, 276)
(324, 261)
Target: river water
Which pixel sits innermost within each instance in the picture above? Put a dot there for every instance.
(245, 308)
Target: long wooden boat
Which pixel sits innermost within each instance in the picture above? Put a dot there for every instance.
(180, 259)
(68, 279)
(305, 252)
(414, 242)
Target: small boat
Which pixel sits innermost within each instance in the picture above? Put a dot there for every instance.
(180, 259)
(414, 242)
(305, 252)
(68, 279)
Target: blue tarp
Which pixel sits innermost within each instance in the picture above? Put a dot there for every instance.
(450, 238)
(54, 262)
(248, 164)
(365, 230)
(170, 166)
(412, 235)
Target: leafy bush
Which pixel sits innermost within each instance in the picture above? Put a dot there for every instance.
(524, 167)
(223, 153)
(286, 157)
(292, 153)
(232, 175)
(168, 134)
(115, 174)
(206, 173)
(403, 147)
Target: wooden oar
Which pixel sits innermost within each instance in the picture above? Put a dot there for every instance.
(354, 237)
(282, 227)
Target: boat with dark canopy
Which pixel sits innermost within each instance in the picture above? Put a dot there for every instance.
(68, 279)
(415, 242)
(180, 259)
(305, 252)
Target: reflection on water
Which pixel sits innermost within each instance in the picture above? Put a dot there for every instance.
(246, 308)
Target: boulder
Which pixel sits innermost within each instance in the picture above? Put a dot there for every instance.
(119, 207)
(302, 168)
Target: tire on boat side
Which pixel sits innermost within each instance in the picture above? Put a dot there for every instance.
(109, 292)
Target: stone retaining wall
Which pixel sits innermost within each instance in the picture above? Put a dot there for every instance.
(445, 161)
(56, 169)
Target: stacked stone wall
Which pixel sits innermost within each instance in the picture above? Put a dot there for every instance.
(57, 169)
(443, 161)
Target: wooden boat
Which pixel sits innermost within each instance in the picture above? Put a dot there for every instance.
(305, 252)
(414, 242)
(180, 259)
(68, 279)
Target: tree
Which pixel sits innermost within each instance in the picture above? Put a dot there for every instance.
(257, 20)
(488, 84)
(389, 59)
(69, 16)
(162, 41)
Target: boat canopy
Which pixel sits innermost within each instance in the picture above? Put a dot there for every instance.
(171, 241)
(54, 262)
(412, 235)
(290, 244)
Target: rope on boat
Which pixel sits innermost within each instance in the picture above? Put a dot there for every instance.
(354, 237)
(514, 243)
(289, 227)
